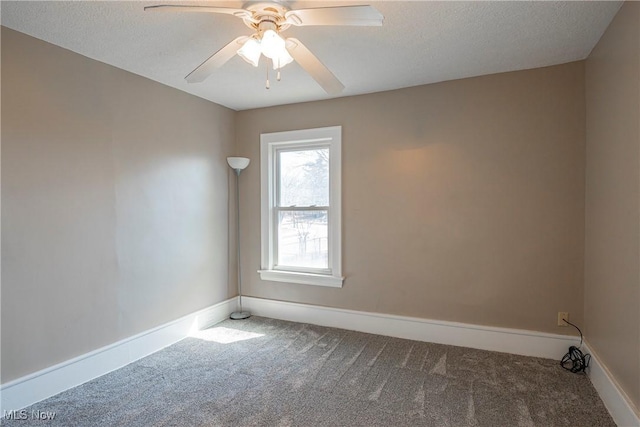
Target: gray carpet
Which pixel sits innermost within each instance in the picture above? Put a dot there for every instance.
(290, 374)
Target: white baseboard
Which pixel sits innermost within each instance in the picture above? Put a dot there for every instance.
(624, 413)
(40, 385)
(515, 341)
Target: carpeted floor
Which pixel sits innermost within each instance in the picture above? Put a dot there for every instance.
(264, 372)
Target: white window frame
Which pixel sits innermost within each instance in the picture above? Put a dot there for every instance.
(270, 144)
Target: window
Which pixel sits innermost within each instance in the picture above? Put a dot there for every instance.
(301, 232)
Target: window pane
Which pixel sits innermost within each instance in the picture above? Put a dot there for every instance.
(304, 177)
(302, 239)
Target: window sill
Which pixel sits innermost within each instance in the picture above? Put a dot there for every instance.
(301, 278)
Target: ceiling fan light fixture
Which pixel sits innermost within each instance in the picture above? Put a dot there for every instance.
(268, 18)
(273, 46)
(251, 51)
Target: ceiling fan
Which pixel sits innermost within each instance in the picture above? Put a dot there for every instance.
(268, 20)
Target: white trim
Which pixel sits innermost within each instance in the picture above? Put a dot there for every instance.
(266, 182)
(515, 341)
(335, 197)
(615, 399)
(301, 278)
(48, 382)
(330, 137)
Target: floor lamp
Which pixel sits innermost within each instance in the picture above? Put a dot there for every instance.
(238, 164)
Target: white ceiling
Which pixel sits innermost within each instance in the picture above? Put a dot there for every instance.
(420, 42)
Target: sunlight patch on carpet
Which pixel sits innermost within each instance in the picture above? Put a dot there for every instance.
(224, 335)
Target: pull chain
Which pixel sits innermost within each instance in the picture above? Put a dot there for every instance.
(268, 84)
(278, 74)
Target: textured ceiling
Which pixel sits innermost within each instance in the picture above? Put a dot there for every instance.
(420, 42)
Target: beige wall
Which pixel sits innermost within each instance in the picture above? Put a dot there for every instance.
(462, 201)
(114, 204)
(612, 261)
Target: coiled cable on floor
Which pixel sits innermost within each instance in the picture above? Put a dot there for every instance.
(575, 361)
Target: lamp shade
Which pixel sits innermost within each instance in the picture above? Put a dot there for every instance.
(272, 44)
(238, 163)
(251, 51)
(282, 59)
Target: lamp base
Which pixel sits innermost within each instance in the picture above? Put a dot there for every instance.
(239, 315)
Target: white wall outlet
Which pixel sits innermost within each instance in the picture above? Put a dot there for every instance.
(563, 315)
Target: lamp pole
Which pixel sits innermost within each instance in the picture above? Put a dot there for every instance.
(238, 164)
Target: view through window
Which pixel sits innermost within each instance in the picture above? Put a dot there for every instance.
(303, 208)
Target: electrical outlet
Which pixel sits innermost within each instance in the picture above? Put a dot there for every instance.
(563, 315)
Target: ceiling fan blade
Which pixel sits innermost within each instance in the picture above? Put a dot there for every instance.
(215, 61)
(314, 67)
(341, 15)
(240, 13)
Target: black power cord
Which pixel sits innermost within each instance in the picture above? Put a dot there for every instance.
(575, 361)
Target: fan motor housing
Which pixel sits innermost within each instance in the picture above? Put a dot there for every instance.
(267, 12)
